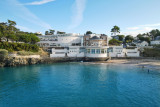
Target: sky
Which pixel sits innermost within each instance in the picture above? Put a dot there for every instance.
(79, 16)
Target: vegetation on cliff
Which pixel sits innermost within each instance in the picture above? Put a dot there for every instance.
(9, 32)
(152, 52)
(3, 54)
(18, 46)
(12, 39)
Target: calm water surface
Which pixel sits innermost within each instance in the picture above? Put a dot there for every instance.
(78, 85)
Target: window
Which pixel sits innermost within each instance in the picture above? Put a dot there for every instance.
(105, 51)
(98, 51)
(110, 49)
(87, 38)
(88, 50)
(102, 51)
(93, 51)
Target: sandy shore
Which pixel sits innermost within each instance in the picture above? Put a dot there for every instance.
(146, 63)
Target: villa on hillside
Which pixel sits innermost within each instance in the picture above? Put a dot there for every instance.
(88, 46)
(141, 44)
(156, 41)
(60, 40)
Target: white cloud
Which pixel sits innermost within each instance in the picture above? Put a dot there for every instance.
(39, 2)
(133, 28)
(141, 29)
(22, 12)
(151, 25)
(78, 10)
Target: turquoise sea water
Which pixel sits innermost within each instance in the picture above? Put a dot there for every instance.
(79, 85)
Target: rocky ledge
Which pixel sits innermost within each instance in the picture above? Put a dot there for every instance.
(13, 61)
(20, 61)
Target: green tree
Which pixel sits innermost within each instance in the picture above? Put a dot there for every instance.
(115, 30)
(88, 32)
(59, 32)
(139, 35)
(147, 39)
(115, 42)
(51, 31)
(121, 37)
(154, 33)
(129, 39)
(46, 32)
(1, 36)
(11, 25)
(3, 27)
(34, 39)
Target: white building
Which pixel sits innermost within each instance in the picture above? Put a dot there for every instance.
(116, 51)
(72, 45)
(119, 51)
(59, 52)
(142, 44)
(132, 52)
(61, 40)
(96, 52)
(78, 51)
(156, 42)
(72, 51)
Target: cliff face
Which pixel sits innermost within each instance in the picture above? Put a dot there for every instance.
(20, 61)
(13, 61)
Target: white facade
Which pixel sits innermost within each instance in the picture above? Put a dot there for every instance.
(116, 51)
(59, 52)
(60, 40)
(157, 42)
(75, 51)
(71, 45)
(142, 44)
(132, 52)
(119, 51)
(96, 52)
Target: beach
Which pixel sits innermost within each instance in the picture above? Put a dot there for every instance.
(146, 63)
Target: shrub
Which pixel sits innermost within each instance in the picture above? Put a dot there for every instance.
(151, 52)
(24, 53)
(18, 47)
(3, 54)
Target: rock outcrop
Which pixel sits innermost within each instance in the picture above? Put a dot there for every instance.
(20, 61)
(13, 61)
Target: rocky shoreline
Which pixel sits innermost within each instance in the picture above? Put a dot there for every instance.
(21, 61)
(8, 62)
